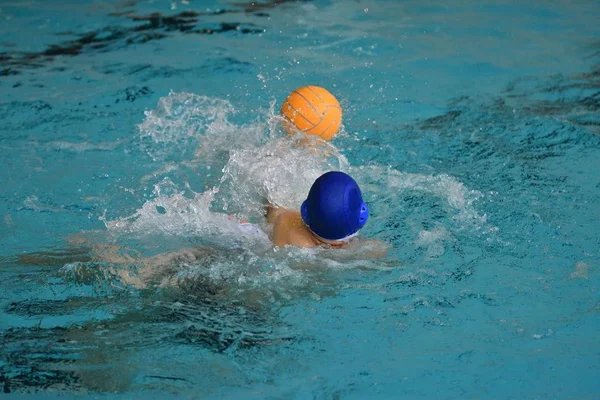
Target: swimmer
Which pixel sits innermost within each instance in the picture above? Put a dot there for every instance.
(331, 216)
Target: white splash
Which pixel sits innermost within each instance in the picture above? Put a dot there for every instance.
(252, 164)
(454, 193)
(180, 116)
(281, 171)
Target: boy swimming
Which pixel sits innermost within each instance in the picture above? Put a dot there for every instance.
(332, 214)
(330, 217)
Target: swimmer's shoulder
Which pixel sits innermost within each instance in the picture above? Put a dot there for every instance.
(289, 229)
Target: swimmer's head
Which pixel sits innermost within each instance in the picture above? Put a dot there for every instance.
(334, 209)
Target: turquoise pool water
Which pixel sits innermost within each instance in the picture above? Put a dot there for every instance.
(126, 128)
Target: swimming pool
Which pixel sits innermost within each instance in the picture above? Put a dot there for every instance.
(473, 130)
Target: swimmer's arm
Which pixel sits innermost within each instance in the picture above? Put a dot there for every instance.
(375, 248)
(57, 257)
(369, 248)
(157, 270)
(133, 269)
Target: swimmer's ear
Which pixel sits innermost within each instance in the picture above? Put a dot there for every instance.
(363, 216)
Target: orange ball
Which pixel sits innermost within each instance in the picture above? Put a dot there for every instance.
(314, 111)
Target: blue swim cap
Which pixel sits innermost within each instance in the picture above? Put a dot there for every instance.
(334, 209)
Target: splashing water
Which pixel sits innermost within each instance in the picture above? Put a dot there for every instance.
(458, 198)
(281, 172)
(259, 163)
